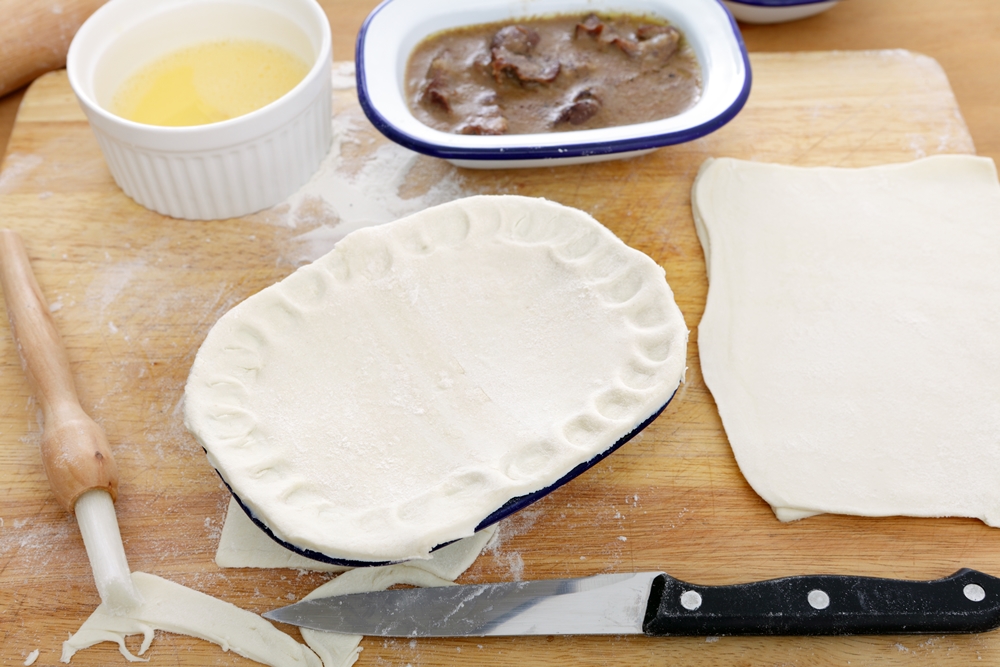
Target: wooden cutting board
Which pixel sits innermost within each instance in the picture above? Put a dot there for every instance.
(134, 294)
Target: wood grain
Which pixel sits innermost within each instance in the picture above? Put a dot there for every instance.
(134, 294)
(962, 35)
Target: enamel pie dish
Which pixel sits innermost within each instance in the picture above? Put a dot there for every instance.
(430, 376)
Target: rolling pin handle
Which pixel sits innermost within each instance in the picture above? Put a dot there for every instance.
(77, 459)
(75, 451)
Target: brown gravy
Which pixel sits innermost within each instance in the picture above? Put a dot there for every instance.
(552, 74)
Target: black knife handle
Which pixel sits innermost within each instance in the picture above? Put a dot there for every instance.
(967, 601)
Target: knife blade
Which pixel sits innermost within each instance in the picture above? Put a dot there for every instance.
(653, 603)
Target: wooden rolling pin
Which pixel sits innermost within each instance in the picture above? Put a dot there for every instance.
(35, 36)
(75, 452)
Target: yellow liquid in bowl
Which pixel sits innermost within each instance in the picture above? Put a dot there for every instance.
(208, 83)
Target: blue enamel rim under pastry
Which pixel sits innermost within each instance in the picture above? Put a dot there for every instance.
(391, 31)
(510, 507)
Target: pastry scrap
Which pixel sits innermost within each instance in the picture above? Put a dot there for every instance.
(390, 396)
(243, 544)
(850, 337)
(178, 609)
(175, 608)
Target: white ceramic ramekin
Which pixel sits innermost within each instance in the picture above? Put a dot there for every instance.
(219, 170)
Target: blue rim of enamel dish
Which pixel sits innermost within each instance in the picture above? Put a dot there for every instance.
(510, 507)
(776, 3)
(608, 147)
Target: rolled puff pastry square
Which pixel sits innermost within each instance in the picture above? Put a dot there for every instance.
(851, 336)
(390, 396)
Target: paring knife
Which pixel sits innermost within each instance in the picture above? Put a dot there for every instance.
(656, 604)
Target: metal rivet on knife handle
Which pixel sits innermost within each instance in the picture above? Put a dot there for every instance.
(818, 599)
(974, 592)
(690, 600)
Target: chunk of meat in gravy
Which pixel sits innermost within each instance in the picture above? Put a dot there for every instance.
(552, 74)
(591, 26)
(513, 54)
(584, 106)
(654, 45)
(436, 90)
(488, 120)
(516, 39)
(485, 124)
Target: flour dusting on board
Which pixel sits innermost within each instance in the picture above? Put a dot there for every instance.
(16, 166)
(365, 180)
(110, 282)
(508, 529)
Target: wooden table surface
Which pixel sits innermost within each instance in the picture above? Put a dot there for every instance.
(135, 293)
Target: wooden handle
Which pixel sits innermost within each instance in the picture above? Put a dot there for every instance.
(35, 36)
(75, 450)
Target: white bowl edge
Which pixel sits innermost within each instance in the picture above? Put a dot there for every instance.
(706, 24)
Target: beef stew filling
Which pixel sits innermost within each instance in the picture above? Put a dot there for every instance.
(552, 74)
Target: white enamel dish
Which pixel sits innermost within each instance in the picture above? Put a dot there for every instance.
(776, 11)
(395, 27)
